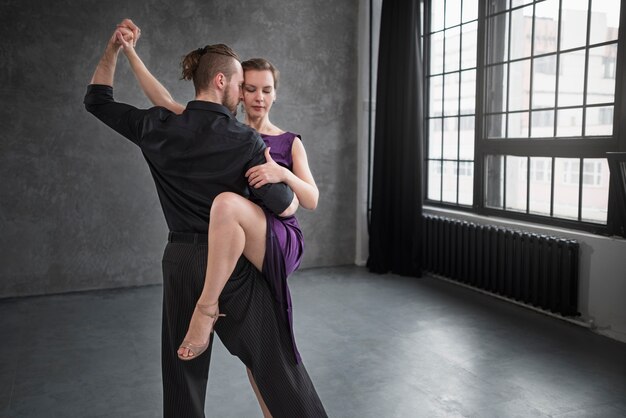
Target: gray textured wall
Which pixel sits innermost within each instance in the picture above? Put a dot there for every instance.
(78, 209)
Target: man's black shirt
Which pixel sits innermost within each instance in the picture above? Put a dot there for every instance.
(193, 156)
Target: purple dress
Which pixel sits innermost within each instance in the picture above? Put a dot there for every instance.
(284, 241)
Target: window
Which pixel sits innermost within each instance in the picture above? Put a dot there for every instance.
(569, 172)
(538, 126)
(592, 173)
(452, 106)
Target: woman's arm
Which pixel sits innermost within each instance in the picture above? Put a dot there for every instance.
(300, 180)
(152, 88)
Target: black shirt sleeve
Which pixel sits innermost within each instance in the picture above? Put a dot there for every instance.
(275, 196)
(125, 119)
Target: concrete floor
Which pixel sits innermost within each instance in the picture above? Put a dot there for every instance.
(375, 346)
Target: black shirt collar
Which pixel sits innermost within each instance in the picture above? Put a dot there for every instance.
(213, 107)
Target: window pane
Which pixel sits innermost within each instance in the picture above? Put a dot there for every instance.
(496, 88)
(516, 172)
(595, 197)
(437, 15)
(599, 121)
(466, 183)
(520, 85)
(543, 124)
(540, 184)
(453, 51)
(495, 126)
(544, 81)
(604, 20)
(521, 29)
(515, 3)
(449, 181)
(566, 179)
(469, 40)
(494, 185)
(450, 138)
(571, 78)
(436, 95)
(518, 125)
(497, 38)
(451, 102)
(546, 26)
(573, 23)
(436, 53)
(601, 75)
(470, 10)
(434, 180)
(466, 138)
(453, 12)
(468, 92)
(434, 138)
(569, 122)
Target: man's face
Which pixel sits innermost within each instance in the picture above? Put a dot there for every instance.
(232, 94)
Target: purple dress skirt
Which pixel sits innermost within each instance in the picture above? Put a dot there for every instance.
(284, 241)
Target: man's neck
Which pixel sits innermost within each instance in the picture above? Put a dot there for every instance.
(209, 96)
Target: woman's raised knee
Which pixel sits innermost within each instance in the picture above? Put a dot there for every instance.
(226, 205)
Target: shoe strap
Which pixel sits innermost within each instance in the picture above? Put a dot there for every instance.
(203, 310)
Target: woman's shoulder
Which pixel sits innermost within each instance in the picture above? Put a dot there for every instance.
(292, 136)
(284, 136)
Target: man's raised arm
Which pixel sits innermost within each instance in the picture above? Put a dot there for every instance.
(105, 70)
(123, 118)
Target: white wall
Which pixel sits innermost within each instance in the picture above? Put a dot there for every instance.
(602, 275)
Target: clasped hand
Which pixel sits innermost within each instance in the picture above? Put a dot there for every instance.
(270, 172)
(126, 34)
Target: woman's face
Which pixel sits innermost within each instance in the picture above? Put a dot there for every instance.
(258, 92)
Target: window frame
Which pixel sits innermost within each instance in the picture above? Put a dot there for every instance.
(580, 148)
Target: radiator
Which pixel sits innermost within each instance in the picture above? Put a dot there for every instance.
(534, 269)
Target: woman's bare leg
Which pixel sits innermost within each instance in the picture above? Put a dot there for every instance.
(237, 227)
(266, 411)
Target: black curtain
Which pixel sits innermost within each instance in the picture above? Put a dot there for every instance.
(616, 224)
(396, 214)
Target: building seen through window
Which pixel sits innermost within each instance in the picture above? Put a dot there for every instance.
(549, 75)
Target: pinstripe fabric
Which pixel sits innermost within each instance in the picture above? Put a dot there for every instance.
(251, 330)
(184, 382)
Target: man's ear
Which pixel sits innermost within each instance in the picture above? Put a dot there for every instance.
(220, 81)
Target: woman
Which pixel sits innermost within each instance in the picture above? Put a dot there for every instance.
(273, 244)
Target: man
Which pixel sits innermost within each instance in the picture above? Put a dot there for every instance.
(193, 157)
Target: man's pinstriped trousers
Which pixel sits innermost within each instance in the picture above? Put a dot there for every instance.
(251, 330)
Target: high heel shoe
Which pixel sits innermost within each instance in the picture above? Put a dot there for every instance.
(197, 349)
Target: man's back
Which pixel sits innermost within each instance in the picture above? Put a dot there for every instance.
(192, 157)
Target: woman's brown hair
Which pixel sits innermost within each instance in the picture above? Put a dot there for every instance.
(261, 64)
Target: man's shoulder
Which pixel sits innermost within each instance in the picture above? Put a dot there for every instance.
(245, 129)
(241, 130)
